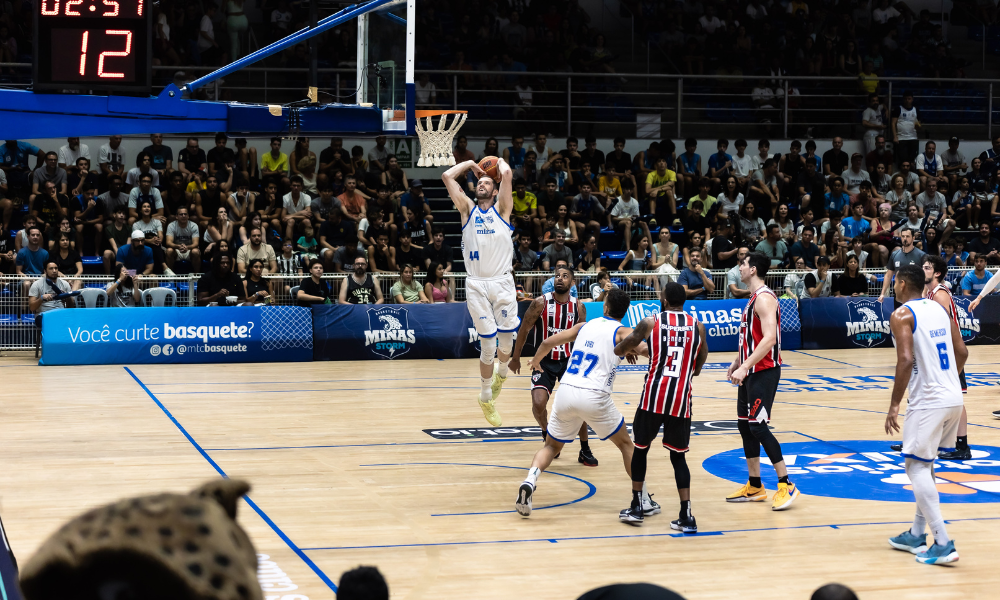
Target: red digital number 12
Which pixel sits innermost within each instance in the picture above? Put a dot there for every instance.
(107, 54)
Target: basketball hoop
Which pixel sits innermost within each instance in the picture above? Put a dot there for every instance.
(436, 136)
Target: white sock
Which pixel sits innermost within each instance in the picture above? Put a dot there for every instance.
(919, 524)
(502, 372)
(645, 494)
(532, 477)
(485, 393)
(921, 476)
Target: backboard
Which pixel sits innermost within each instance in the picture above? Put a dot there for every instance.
(386, 62)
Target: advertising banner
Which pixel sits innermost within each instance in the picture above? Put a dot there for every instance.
(720, 317)
(98, 336)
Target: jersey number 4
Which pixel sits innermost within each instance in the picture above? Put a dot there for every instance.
(474, 255)
(577, 358)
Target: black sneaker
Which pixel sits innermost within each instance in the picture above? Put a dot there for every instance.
(957, 454)
(523, 502)
(587, 458)
(896, 447)
(632, 515)
(996, 414)
(685, 525)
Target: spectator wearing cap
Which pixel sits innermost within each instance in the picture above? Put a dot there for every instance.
(954, 163)
(136, 256)
(854, 175)
(930, 166)
(414, 201)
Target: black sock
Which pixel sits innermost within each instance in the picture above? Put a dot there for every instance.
(636, 498)
(783, 480)
(755, 482)
(685, 509)
(585, 445)
(962, 442)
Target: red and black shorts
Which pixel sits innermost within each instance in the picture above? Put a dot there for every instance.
(756, 395)
(551, 371)
(676, 430)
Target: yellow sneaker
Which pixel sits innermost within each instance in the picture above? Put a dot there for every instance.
(748, 493)
(497, 384)
(786, 494)
(490, 412)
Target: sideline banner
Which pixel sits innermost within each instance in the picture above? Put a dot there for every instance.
(97, 336)
(863, 322)
(720, 317)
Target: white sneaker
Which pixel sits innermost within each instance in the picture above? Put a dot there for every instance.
(649, 506)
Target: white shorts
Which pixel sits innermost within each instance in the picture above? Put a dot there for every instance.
(573, 406)
(492, 304)
(925, 431)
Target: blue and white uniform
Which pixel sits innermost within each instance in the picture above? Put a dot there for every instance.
(584, 392)
(934, 405)
(489, 257)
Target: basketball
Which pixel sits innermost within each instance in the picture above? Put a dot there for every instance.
(490, 164)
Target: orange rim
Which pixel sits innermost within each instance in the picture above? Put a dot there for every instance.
(434, 113)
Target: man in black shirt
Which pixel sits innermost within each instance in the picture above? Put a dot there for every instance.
(984, 245)
(190, 159)
(835, 160)
(407, 253)
(162, 156)
(220, 283)
(361, 287)
(592, 155)
(314, 289)
(549, 199)
(219, 156)
(723, 250)
(573, 158)
(438, 251)
(811, 187)
(334, 158)
(208, 202)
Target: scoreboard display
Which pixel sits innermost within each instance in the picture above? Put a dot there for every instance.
(100, 45)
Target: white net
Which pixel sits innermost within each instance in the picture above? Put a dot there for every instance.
(286, 327)
(436, 133)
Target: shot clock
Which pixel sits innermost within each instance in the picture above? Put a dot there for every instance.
(101, 45)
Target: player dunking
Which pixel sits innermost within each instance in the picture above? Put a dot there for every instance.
(488, 254)
(757, 370)
(929, 354)
(677, 350)
(584, 393)
(559, 311)
(935, 270)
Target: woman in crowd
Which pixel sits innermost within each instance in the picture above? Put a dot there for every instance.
(395, 178)
(898, 198)
(695, 240)
(881, 182)
(795, 286)
(492, 149)
(730, 200)
(224, 248)
(307, 171)
(932, 241)
(218, 230)
(124, 292)
(882, 232)
(436, 287)
(64, 225)
(835, 247)
(852, 282)
(664, 258)
(785, 224)
(588, 258)
(67, 260)
(406, 290)
(976, 173)
(301, 151)
(257, 289)
(564, 224)
(153, 229)
(637, 259)
(253, 221)
(751, 226)
(963, 206)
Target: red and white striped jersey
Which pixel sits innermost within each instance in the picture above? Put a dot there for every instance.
(952, 310)
(558, 316)
(674, 343)
(751, 333)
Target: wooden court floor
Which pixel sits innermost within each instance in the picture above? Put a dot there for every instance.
(344, 474)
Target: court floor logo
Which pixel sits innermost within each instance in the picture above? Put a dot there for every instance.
(868, 470)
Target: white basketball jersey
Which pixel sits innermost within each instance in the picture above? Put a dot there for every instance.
(934, 383)
(486, 245)
(593, 364)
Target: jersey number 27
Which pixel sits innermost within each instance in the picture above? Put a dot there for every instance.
(577, 358)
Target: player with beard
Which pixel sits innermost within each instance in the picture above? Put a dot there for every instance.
(489, 255)
(559, 311)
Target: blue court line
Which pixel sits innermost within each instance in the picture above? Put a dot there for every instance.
(825, 358)
(253, 505)
(592, 489)
(639, 535)
(302, 381)
(473, 441)
(366, 389)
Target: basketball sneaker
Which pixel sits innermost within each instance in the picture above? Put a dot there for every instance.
(907, 542)
(685, 525)
(996, 414)
(490, 412)
(748, 494)
(649, 506)
(586, 458)
(939, 555)
(786, 494)
(896, 447)
(957, 454)
(497, 384)
(632, 515)
(523, 502)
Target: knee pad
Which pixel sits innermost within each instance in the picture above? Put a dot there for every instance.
(488, 349)
(639, 463)
(751, 447)
(682, 474)
(771, 446)
(505, 342)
